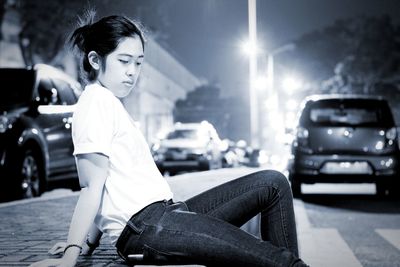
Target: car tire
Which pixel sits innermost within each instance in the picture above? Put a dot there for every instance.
(295, 185)
(31, 182)
(382, 189)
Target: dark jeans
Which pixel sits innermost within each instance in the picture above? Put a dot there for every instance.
(205, 229)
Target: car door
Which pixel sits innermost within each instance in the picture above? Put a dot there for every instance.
(65, 162)
(54, 119)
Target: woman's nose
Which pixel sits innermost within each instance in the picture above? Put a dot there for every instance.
(131, 71)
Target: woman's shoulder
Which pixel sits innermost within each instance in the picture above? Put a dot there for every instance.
(97, 94)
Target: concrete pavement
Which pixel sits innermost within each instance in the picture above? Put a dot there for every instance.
(30, 227)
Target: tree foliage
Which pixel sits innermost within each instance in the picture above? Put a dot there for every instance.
(45, 26)
(352, 55)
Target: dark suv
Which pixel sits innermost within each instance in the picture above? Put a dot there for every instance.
(36, 147)
(345, 138)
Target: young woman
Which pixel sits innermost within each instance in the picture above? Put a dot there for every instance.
(124, 195)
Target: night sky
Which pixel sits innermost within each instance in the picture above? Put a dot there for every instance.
(205, 34)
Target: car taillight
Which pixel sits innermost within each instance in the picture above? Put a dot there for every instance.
(302, 133)
(391, 134)
(302, 136)
(5, 124)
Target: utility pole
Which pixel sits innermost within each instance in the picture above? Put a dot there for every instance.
(252, 9)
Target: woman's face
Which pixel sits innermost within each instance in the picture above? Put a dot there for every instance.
(122, 67)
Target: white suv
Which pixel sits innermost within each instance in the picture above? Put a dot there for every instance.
(188, 146)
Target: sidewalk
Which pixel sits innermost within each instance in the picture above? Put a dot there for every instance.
(30, 227)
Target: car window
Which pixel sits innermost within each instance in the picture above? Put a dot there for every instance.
(346, 116)
(66, 92)
(185, 134)
(16, 88)
(353, 112)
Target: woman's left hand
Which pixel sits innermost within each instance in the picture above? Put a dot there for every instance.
(57, 248)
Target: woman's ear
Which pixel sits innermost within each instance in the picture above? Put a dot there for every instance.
(94, 60)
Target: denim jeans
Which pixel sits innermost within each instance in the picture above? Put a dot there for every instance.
(205, 228)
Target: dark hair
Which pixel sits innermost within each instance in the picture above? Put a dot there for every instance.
(102, 37)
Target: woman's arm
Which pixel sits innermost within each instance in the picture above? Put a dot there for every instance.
(93, 238)
(92, 170)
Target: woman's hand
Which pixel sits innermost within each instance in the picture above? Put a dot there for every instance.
(57, 248)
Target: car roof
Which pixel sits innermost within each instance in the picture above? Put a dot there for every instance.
(318, 97)
(55, 72)
(47, 69)
(192, 125)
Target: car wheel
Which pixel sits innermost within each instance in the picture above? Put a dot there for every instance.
(382, 189)
(31, 181)
(296, 186)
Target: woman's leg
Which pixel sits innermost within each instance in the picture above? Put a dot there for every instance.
(171, 234)
(266, 192)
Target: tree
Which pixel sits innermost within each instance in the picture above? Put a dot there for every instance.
(44, 27)
(352, 55)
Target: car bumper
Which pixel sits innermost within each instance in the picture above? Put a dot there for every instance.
(345, 168)
(183, 165)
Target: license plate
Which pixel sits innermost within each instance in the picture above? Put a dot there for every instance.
(179, 156)
(355, 167)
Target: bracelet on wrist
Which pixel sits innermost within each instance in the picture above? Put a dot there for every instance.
(72, 245)
(92, 245)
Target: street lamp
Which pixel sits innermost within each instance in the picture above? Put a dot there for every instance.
(270, 68)
(254, 131)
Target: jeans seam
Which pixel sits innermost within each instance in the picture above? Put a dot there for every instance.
(246, 190)
(283, 221)
(252, 187)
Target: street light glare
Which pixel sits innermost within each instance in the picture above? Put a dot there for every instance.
(261, 83)
(250, 48)
(291, 83)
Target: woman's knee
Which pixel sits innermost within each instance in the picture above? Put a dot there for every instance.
(275, 178)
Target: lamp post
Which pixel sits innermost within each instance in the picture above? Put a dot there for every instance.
(272, 95)
(270, 68)
(254, 131)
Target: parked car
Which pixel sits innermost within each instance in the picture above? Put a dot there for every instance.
(345, 138)
(229, 157)
(189, 146)
(36, 106)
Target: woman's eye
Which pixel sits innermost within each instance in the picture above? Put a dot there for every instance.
(124, 61)
(138, 63)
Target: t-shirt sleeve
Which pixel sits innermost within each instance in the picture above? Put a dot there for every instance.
(93, 125)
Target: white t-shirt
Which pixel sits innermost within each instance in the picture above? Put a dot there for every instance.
(102, 125)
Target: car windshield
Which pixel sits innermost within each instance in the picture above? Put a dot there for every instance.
(352, 113)
(16, 87)
(183, 134)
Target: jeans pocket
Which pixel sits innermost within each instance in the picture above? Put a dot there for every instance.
(128, 242)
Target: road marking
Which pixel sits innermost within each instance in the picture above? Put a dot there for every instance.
(391, 235)
(321, 246)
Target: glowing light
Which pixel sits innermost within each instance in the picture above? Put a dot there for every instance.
(291, 83)
(250, 48)
(261, 83)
